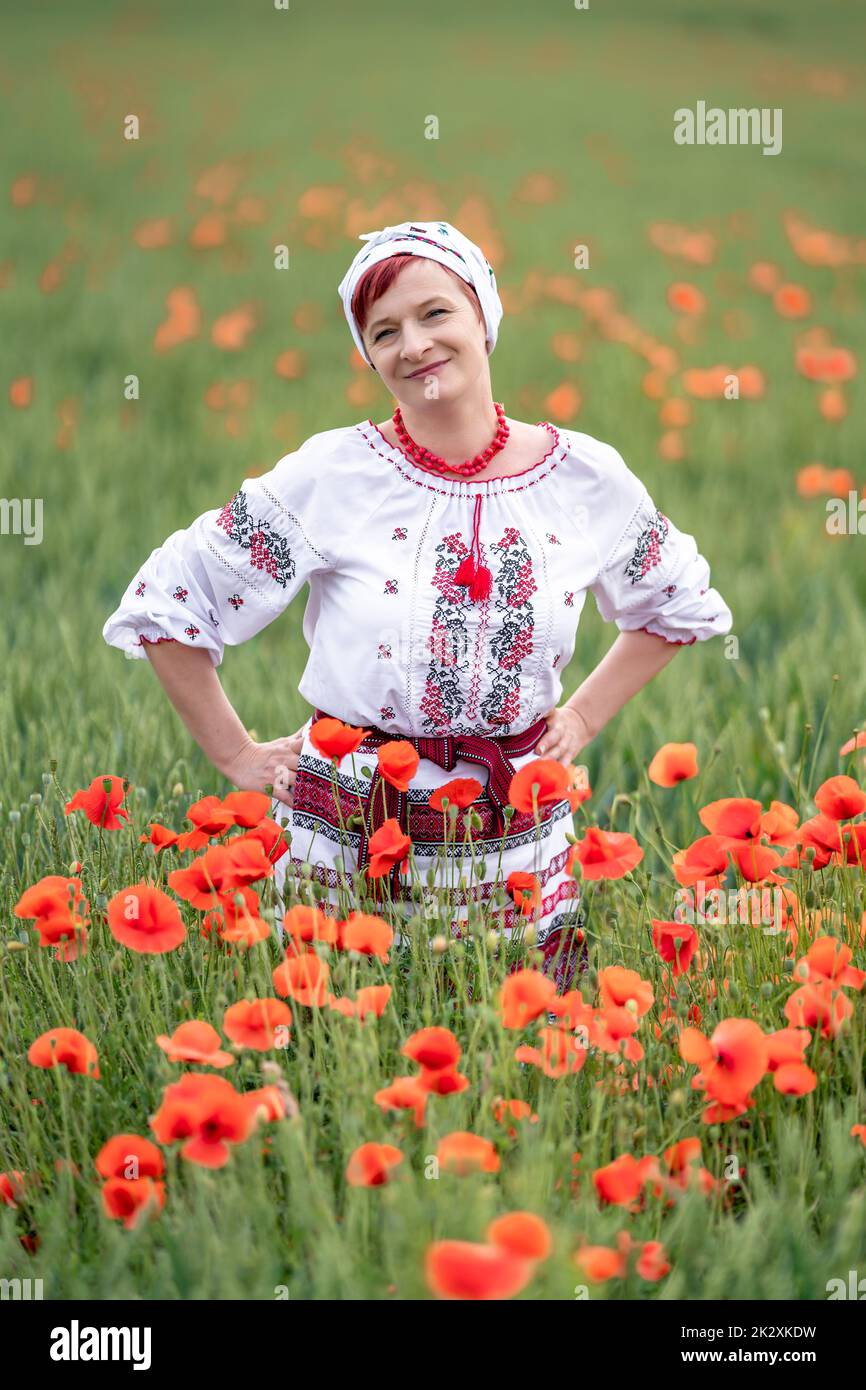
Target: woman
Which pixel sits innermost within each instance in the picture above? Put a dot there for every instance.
(448, 552)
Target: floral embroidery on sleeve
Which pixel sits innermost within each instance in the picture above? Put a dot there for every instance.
(647, 551)
(269, 550)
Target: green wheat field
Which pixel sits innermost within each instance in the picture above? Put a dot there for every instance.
(255, 128)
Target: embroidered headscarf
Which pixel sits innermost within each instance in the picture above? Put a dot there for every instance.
(439, 241)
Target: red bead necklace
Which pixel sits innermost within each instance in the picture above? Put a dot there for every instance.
(426, 459)
(470, 571)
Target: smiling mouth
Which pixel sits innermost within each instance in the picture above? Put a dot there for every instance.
(429, 367)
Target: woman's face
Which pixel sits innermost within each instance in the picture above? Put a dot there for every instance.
(422, 320)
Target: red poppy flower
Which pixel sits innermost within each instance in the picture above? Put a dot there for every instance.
(129, 1156)
(551, 778)
(12, 1186)
(786, 1045)
(460, 791)
(210, 816)
(525, 995)
(819, 1005)
(432, 1048)
(371, 936)
(130, 1199)
(208, 1113)
(334, 739)
(215, 874)
(160, 836)
(372, 999)
(100, 802)
(398, 763)
(235, 918)
(559, 1054)
(732, 1060)
(195, 1041)
(652, 1263)
(623, 988)
(525, 889)
(145, 919)
(273, 838)
(598, 1263)
(257, 1023)
(463, 1153)
(60, 912)
(404, 1093)
(757, 863)
(621, 1182)
(675, 943)
(673, 763)
(443, 1081)
(607, 853)
(734, 817)
(521, 1233)
(269, 1103)
(248, 809)
(505, 1110)
(462, 1269)
(827, 961)
(65, 1047)
(308, 924)
(705, 861)
(388, 846)
(304, 979)
(372, 1164)
(828, 367)
(794, 1079)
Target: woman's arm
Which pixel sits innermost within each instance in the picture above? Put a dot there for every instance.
(189, 679)
(634, 659)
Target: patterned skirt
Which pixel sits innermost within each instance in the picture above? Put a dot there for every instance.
(467, 876)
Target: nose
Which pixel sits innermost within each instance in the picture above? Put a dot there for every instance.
(415, 338)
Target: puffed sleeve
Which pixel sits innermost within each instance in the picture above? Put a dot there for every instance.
(651, 577)
(235, 568)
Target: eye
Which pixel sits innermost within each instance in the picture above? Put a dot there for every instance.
(382, 331)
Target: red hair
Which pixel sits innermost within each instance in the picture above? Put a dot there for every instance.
(380, 277)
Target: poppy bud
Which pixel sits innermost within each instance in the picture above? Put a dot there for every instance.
(492, 941)
(177, 789)
(475, 820)
(439, 944)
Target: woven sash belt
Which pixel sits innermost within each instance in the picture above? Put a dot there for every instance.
(492, 753)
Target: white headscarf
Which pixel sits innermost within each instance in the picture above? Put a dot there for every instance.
(438, 241)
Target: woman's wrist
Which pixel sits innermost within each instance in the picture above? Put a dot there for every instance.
(229, 765)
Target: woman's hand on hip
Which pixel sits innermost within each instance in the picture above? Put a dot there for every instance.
(567, 733)
(261, 765)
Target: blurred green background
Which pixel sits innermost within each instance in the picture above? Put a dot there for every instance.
(306, 126)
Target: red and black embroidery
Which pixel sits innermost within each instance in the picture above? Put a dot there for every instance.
(444, 689)
(512, 642)
(181, 594)
(140, 588)
(192, 632)
(647, 552)
(269, 551)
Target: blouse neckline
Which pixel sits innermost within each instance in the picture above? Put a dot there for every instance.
(465, 487)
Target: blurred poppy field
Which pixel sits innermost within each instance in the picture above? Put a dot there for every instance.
(190, 1109)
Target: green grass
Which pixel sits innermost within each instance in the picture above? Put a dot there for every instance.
(295, 99)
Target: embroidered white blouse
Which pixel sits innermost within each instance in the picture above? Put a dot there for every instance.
(394, 640)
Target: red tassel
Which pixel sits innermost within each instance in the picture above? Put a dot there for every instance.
(481, 584)
(465, 570)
